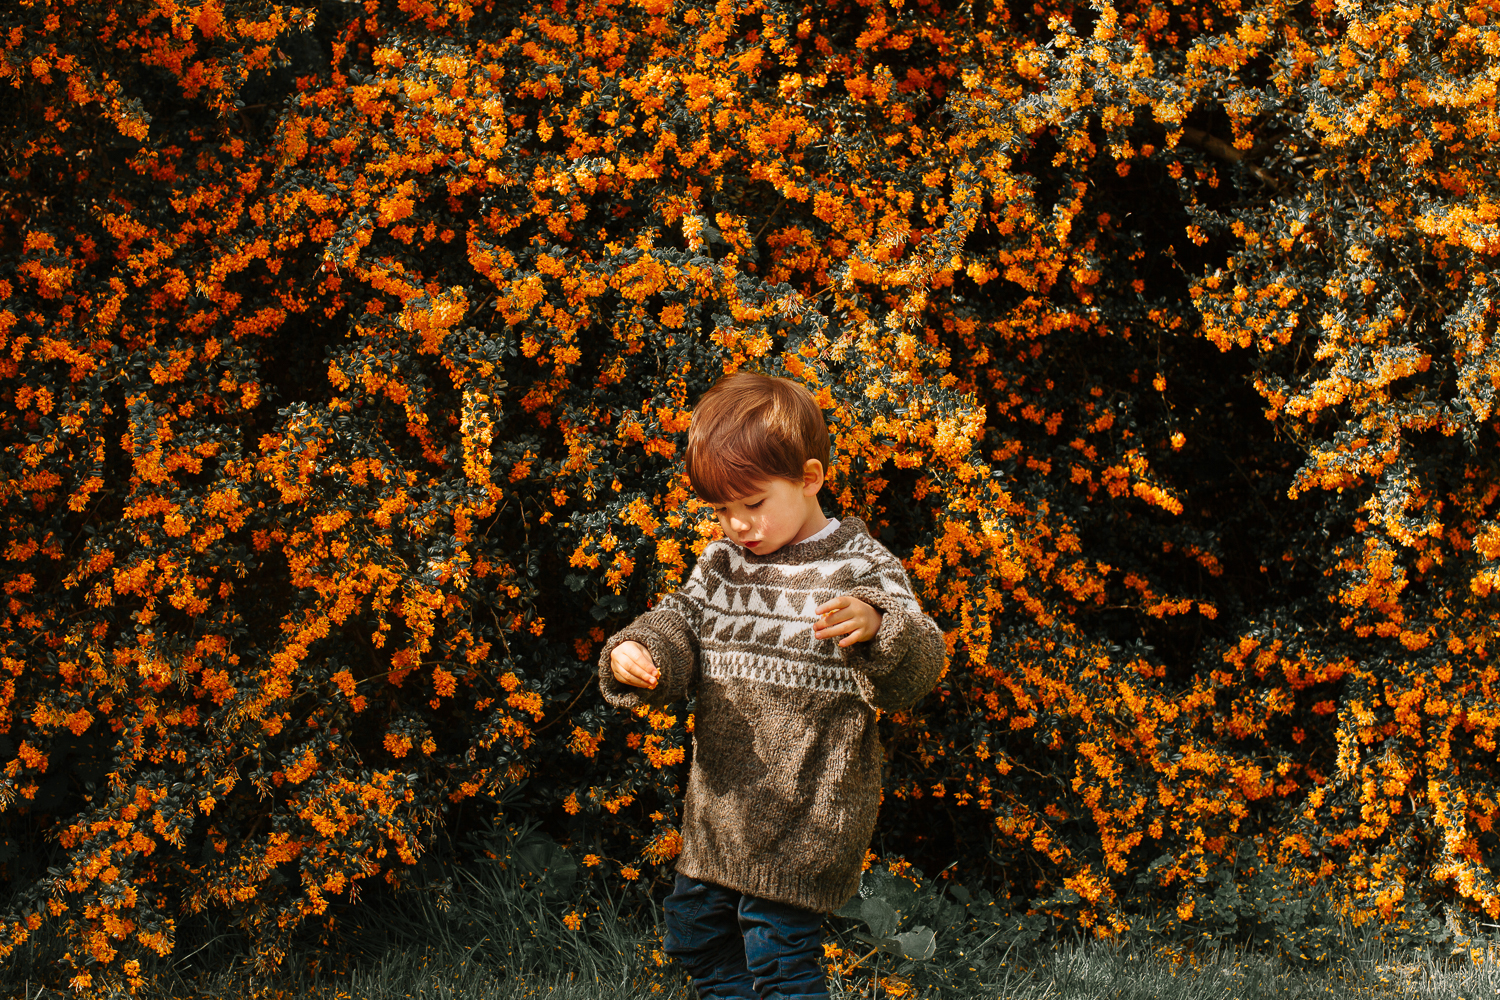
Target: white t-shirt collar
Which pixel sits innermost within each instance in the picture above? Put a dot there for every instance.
(824, 532)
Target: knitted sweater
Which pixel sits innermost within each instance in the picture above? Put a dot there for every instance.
(785, 780)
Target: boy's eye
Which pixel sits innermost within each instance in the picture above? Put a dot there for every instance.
(756, 504)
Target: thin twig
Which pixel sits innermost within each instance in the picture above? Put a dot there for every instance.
(1216, 147)
(570, 704)
(184, 958)
(851, 968)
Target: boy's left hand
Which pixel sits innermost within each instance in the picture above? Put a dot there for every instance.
(849, 617)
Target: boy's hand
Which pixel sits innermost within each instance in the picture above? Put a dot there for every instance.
(631, 664)
(849, 617)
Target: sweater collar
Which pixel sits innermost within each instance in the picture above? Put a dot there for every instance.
(810, 550)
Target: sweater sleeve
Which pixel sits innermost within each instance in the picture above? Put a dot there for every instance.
(670, 633)
(906, 657)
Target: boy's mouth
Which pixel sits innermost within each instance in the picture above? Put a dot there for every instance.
(752, 544)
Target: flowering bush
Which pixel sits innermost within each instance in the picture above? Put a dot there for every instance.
(346, 357)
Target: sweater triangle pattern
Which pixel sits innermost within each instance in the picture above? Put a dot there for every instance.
(756, 619)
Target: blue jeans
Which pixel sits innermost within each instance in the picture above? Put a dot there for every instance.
(744, 947)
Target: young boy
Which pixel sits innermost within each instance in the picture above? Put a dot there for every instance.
(792, 629)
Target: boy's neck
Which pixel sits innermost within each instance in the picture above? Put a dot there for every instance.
(815, 522)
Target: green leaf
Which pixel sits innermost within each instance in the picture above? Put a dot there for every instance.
(879, 916)
(918, 944)
(850, 910)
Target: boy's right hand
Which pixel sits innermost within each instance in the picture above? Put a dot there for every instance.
(631, 664)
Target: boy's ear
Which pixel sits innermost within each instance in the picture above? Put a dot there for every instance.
(812, 477)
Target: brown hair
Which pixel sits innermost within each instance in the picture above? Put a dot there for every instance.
(749, 428)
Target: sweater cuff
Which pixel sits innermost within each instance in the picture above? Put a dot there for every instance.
(879, 656)
(674, 664)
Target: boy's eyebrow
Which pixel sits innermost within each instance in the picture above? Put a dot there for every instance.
(744, 499)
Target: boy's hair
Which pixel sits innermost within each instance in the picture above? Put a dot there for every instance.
(749, 428)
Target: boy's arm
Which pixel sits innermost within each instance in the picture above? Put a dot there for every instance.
(669, 632)
(905, 658)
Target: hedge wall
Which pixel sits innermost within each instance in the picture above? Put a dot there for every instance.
(346, 357)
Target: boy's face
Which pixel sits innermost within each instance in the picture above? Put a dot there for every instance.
(776, 513)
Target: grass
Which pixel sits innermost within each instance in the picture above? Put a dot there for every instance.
(429, 976)
(1135, 970)
(1132, 970)
(500, 931)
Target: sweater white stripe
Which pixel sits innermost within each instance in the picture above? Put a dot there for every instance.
(725, 665)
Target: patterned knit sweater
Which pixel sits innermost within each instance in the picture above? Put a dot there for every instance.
(785, 779)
